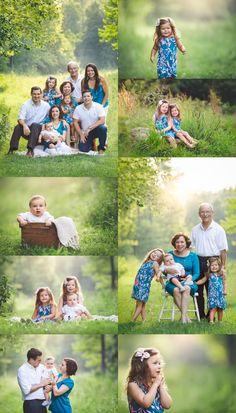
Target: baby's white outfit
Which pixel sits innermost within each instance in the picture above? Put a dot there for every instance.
(176, 266)
(71, 313)
(49, 373)
(28, 216)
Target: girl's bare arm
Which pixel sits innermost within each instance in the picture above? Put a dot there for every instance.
(180, 46)
(166, 400)
(144, 400)
(202, 280)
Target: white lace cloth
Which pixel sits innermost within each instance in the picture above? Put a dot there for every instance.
(62, 150)
(67, 232)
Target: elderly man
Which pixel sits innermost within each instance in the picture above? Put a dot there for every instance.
(31, 383)
(209, 240)
(89, 122)
(30, 120)
(75, 78)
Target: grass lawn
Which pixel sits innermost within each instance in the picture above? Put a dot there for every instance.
(84, 396)
(216, 133)
(126, 307)
(206, 57)
(15, 90)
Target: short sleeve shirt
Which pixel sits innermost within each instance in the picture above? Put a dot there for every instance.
(31, 113)
(209, 242)
(32, 218)
(88, 117)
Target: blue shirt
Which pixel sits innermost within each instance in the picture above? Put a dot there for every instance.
(61, 404)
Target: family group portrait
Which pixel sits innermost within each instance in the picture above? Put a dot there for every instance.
(58, 90)
(58, 374)
(58, 294)
(176, 246)
(185, 118)
(169, 40)
(58, 216)
(150, 372)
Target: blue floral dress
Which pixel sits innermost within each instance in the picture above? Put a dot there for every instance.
(162, 123)
(176, 123)
(68, 117)
(155, 407)
(51, 93)
(42, 311)
(142, 282)
(216, 297)
(166, 62)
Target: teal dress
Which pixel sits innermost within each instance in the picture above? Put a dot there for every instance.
(162, 123)
(191, 266)
(142, 282)
(98, 95)
(61, 404)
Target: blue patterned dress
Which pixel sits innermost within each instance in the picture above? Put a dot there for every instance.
(166, 62)
(176, 123)
(155, 407)
(162, 123)
(216, 297)
(51, 93)
(142, 282)
(42, 311)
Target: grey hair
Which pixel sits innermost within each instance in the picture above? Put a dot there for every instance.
(206, 204)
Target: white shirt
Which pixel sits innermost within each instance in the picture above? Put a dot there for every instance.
(28, 216)
(31, 113)
(176, 266)
(49, 373)
(77, 92)
(88, 117)
(210, 241)
(28, 376)
(73, 311)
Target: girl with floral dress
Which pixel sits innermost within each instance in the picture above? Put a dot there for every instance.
(162, 121)
(45, 306)
(51, 92)
(176, 126)
(141, 289)
(166, 42)
(217, 288)
(146, 388)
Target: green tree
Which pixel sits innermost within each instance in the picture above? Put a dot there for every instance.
(109, 32)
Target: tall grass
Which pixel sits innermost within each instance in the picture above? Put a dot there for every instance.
(215, 131)
(15, 91)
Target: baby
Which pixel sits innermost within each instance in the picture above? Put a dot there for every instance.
(181, 276)
(37, 212)
(49, 136)
(50, 372)
(72, 310)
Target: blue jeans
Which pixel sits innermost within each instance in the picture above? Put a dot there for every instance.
(99, 132)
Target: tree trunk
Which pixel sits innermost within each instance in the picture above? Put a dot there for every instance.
(231, 350)
(113, 273)
(103, 354)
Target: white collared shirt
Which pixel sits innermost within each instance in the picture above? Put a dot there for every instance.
(209, 242)
(31, 113)
(28, 376)
(88, 117)
(28, 216)
(77, 92)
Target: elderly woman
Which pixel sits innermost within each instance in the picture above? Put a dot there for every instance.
(190, 262)
(60, 402)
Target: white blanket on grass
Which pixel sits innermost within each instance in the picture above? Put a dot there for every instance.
(64, 150)
(113, 318)
(67, 232)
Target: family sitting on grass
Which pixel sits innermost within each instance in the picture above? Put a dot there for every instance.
(168, 122)
(38, 213)
(72, 115)
(183, 272)
(42, 386)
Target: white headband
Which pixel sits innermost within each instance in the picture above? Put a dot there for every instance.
(142, 353)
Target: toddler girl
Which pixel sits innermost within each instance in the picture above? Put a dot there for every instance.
(179, 133)
(216, 288)
(168, 262)
(37, 212)
(72, 310)
(141, 289)
(67, 106)
(166, 42)
(45, 306)
(70, 285)
(163, 122)
(51, 92)
(146, 388)
(50, 372)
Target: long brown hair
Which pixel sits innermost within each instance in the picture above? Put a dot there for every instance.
(97, 77)
(78, 289)
(172, 106)
(210, 261)
(157, 34)
(139, 370)
(39, 291)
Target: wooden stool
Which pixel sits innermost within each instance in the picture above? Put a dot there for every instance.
(38, 234)
(175, 309)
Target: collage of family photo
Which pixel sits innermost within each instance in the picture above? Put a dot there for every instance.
(118, 206)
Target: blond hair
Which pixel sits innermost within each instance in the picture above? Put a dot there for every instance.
(172, 106)
(158, 113)
(157, 34)
(148, 255)
(37, 197)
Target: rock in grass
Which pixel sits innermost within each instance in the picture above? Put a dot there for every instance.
(140, 133)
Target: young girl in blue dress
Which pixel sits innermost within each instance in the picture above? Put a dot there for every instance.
(176, 126)
(166, 42)
(217, 288)
(146, 388)
(51, 92)
(67, 106)
(45, 306)
(141, 288)
(163, 123)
